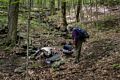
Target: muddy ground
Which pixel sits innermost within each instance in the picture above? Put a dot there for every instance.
(100, 59)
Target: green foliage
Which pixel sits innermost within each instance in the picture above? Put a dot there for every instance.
(35, 65)
(109, 2)
(4, 1)
(3, 7)
(89, 1)
(68, 36)
(16, 2)
(3, 20)
(116, 66)
(34, 23)
(57, 64)
(3, 4)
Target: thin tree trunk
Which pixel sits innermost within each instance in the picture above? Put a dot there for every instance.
(82, 12)
(96, 10)
(38, 3)
(23, 2)
(119, 16)
(12, 21)
(78, 10)
(44, 3)
(28, 26)
(41, 3)
(104, 13)
(52, 7)
(63, 9)
(91, 12)
(59, 4)
(32, 3)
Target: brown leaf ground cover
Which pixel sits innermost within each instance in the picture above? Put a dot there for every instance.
(100, 60)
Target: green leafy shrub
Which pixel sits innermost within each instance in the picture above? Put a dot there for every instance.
(116, 66)
(109, 2)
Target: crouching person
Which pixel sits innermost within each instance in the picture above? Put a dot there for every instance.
(79, 36)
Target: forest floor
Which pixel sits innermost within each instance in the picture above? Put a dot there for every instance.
(100, 59)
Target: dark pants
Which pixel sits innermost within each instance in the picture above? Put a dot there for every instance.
(78, 47)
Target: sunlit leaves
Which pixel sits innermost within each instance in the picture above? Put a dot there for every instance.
(4, 1)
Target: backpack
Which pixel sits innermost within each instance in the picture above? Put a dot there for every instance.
(81, 34)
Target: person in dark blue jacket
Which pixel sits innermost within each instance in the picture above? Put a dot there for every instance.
(79, 36)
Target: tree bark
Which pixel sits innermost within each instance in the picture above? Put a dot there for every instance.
(79, 6)
(12, 21)
(32, 3)
(63, 9)
(96, 10)
(44, 3)
(52, 7)
(59, 4)
(91, 12)
(28, 26)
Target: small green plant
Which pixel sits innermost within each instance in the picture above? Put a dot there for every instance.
(116, 66)
(1, 62)
(3, 20)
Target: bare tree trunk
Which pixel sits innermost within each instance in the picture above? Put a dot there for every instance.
(32, 3)
(59, 4)
(82, 12)
(38, 3)
(28, 26)
(91, 12)
(12, 21)
(104, 13)
(79, 7)
(119, 16)
(41, 3)
(52, 7)
(44, 3)
(96, 10)
(23, 2)
(63, 9)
